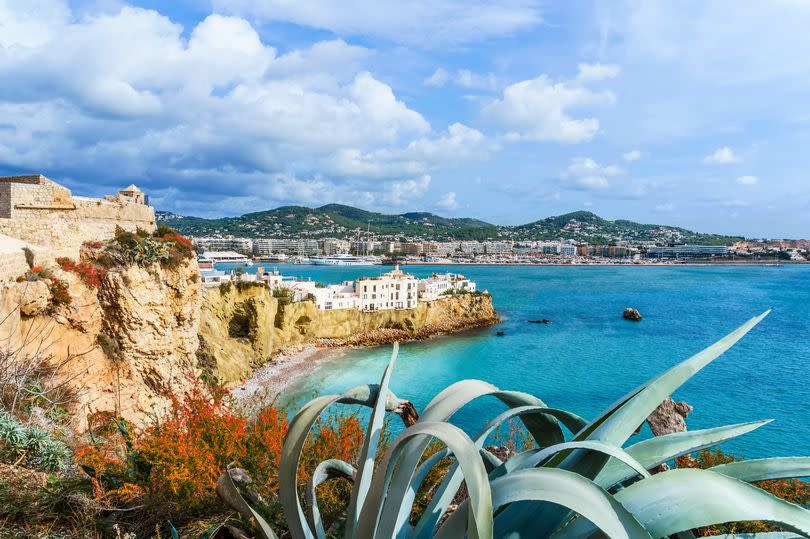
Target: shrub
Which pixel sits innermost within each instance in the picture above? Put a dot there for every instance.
(171, 467)
(32, 446)
(224, 288)
(59, 288)
(142, 248)
(792, 490)
(90, 274)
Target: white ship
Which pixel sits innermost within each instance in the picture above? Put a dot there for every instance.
(346, 260)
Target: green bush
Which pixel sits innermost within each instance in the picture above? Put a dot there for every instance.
(34, 446)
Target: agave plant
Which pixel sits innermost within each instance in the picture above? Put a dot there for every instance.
(583, 485)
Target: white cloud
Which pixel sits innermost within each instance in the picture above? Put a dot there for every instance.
(747, 180)
(667, 206)
(585, 173)
(462, 77)
(448, 201)
(438, 78)
(721, 156)
(468, 79)
(538, 110)
(218, 112)
(597, 72)
(417, 22)
(632, 155)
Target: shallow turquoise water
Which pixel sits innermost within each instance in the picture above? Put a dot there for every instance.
(589, 356)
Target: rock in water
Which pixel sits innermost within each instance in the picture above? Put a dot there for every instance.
(540, 321)
(631, 314)
(669, 417)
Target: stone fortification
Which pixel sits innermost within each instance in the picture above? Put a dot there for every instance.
(47, 216)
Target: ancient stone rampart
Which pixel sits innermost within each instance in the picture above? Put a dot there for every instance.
(46, 215)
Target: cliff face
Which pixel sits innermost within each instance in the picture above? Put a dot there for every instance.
(242, 329)
(119, 345)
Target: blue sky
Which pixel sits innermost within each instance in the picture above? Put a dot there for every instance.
(686, 113)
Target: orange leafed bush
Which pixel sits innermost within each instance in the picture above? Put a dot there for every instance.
(792, 490)
(88, 273)
(176, 461)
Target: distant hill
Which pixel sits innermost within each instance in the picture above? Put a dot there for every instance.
(339, 221)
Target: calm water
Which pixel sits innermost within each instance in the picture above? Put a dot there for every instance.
(589, 356)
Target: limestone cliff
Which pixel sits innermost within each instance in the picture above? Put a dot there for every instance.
(126, 340)
(242, 328)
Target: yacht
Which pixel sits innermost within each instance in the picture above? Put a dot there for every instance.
(345, 260)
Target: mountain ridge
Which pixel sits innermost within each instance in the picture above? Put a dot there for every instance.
(342, 221)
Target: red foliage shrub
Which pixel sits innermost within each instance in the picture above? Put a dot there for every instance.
(792, 490)
(175, 462)
(89, 274)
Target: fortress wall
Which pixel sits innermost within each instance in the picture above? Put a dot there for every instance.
(44, 213)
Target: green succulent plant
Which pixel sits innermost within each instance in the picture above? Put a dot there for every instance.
(588, 484)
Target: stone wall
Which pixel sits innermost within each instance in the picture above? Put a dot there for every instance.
(43, 213)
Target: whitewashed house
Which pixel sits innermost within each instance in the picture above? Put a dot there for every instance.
(392, 290)
(336, 296)
(437, 284)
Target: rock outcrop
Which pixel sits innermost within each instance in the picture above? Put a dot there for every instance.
(242, 328)
(631, 314)
(119, 346)
(669, 417)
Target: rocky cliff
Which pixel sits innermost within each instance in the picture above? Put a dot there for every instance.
(119, 342)
(242, 328)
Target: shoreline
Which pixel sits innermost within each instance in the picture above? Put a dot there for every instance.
(611, 264)
(282, 371)
(287, 367)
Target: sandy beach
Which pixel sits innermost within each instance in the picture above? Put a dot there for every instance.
(284, 370)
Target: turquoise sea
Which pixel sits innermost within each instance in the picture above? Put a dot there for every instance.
(589, 356)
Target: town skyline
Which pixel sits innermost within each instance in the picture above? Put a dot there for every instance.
(504, 112)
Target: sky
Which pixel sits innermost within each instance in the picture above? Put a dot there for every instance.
(689, 113)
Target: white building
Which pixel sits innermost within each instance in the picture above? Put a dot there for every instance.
(227, 257)
(269, 246)
(392, 290)
(336, 296)
(210, 277)
(437, 284)
(335, 247)
(229, 243)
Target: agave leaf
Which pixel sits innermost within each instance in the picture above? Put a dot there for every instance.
(679, 500)
(369, 451)
(231, 495)
(655, 451)
(382, 512)
(294, 441)
(325, 471)
(618, 422)
(752, 471)
(559, 487)
(444, 494)
(543, 427)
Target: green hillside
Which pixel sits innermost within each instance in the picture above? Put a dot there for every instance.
(340, 221)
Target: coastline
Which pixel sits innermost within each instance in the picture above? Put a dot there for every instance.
(282, 371)
(289, 366)
(610, 264)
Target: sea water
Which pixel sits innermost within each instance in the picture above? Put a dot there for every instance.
(589, 356)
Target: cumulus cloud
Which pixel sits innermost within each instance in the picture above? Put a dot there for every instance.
(448, 201)
(438, 78)
(747, 180)
(214, 111)
(597, 72)
(540, 110)
(721, 156)
(632, 155)
(418, 22)
(585, 173)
